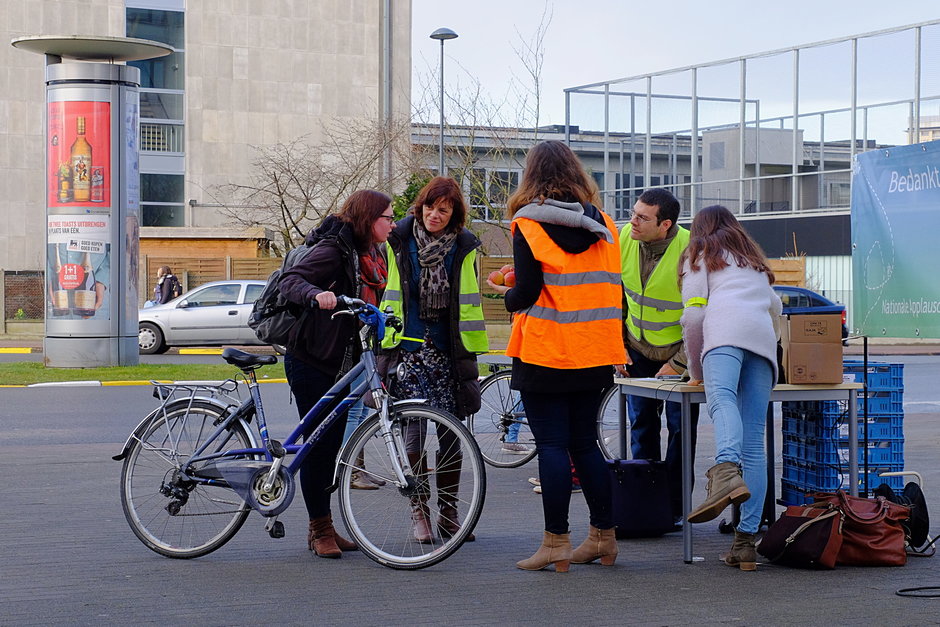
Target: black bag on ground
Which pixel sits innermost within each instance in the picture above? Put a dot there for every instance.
(641, 505)
(917, 527)
(272, 317)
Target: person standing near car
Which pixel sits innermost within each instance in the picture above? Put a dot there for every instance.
(564, 340)
(730, 325)
(168, 286)
(433, 287)
(344, 262)
(650, 246)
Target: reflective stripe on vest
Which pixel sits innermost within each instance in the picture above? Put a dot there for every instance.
(470, 326)
(696, 301)
(575, 323)
(655, 308)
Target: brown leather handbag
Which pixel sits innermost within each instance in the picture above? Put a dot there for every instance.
(804, 537)
(872, 534)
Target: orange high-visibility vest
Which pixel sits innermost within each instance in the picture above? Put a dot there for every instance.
(577, 320)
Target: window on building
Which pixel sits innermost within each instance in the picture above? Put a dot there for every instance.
(161, 200)
(502, 184)
(716, 156)
(162, 110)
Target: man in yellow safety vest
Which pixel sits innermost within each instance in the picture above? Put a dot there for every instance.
(650, 246)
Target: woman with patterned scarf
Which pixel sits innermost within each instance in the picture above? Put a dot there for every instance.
(343, 262)
(432, 281)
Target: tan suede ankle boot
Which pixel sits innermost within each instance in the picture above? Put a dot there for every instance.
(599, 544)
(555, 549)
(743, 553)
(725, 486)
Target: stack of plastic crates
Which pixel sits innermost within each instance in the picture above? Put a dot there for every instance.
(816, 436)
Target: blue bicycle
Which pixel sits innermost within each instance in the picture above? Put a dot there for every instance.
(194, 469)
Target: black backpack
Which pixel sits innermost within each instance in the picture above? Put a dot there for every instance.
(174, 286)
(273, 316)
(917, 527)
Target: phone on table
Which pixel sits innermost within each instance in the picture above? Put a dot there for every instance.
(669, 377)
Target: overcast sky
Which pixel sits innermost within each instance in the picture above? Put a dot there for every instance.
(597, 40)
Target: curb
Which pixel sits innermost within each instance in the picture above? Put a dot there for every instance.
(50, 384)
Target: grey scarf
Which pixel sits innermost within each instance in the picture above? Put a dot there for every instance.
(564, 214)
(433, 285)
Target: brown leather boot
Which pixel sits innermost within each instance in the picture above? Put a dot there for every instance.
(725, 486)
(448, 483)
(420, 512)
(555, 549)
(743, 553)
(323, 540)
(599, 544)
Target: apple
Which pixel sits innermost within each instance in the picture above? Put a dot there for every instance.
(506, 268)
(510, 278)
(496, 277)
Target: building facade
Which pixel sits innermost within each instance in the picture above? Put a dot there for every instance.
(242, 75)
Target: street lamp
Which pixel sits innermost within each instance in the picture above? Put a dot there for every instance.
(442, 35)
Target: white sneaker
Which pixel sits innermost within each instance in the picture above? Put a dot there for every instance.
(534, 481)
(514, 448)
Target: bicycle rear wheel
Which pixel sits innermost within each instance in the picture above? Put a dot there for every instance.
(172, 516)
(500, 427)
(449, 472)
(608, 427)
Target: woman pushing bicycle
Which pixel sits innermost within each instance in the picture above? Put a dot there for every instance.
(345, 262)
(433, 287)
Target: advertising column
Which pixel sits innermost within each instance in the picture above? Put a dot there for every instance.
(92, 215)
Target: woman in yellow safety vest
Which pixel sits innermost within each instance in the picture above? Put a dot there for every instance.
(433, 287)
(565, 337)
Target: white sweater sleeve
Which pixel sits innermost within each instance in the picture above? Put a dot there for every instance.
(694, 284)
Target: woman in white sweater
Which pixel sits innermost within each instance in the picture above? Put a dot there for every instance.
(730, 332)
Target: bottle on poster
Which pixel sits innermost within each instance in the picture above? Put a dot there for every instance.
(80, 156)
(85, 293)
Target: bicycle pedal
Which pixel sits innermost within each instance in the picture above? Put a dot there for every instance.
(275, 529)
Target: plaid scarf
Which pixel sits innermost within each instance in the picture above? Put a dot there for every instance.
(373, 271)
(433, 286)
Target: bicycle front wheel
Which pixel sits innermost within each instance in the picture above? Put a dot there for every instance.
(500, 427)
(608, 427)
(171, 515)
(447, 490)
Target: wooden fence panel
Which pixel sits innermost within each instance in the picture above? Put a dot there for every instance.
(494, 311)
(789, 271)
(255, 268)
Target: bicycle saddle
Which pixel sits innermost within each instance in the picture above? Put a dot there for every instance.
(247, 360)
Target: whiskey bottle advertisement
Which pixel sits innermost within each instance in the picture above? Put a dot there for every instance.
(79, 154)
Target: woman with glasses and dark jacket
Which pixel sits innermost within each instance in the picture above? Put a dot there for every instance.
(345, 261)
(433, 287)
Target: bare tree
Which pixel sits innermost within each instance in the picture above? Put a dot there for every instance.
(296, 184)
(488, 136)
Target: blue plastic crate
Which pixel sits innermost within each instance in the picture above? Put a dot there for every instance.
(806, 450)
(895, 483)
(881, 376)
(791, 494)
(884, 427)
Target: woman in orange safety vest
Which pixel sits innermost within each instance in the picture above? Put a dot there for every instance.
(566, 335)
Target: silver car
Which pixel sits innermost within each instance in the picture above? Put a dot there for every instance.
(212, 314)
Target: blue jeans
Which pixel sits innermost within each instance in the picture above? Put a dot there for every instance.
(737, 390)
(357, 413)
(563, 424)
(645, 427)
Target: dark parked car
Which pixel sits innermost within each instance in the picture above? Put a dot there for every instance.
(800, 300)
(212, 314)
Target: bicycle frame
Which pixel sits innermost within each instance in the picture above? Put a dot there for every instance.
(269, 449)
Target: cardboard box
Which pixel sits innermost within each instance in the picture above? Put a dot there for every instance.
(812, 348)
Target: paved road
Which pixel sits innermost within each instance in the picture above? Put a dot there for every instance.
(70, 558)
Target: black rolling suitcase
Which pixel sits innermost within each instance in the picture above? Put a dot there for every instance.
(641, 504)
